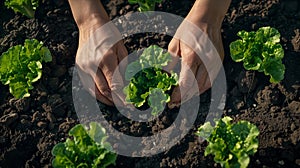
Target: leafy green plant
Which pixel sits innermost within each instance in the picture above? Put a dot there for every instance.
(231, 144)
(87, 149)
(149, 84)
(145, 5)
(260, 51)
(21, 66)
(26, 7)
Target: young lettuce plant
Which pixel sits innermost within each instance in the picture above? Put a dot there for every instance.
(260, 51)
(21, 66)
(88, 149)
(149, 84)
(230, 143)
(26, 7)
(145, 5)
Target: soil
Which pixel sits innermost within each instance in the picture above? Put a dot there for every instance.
(30, 127)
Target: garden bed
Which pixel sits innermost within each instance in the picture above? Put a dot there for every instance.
(30, 127)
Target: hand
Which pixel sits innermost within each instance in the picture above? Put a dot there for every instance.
(100, 51)
(98, 60)
(208, 16)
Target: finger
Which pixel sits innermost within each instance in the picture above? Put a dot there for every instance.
(174, 50)
(102, 85)
(202, 79)
(87, 80)
(110, 68)
(122, 58)
(189, 67)
(117, 88)
(116, 97)
(207, 86)
(102, 98)
(187, 81)
(122, 54)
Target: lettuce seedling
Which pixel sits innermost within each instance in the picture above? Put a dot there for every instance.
(88, 148)
(21, 66)
(26, 7)
(149, 84)
(230, 143)
(145, 5)
(260, 51)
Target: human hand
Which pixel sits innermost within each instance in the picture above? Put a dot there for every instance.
(98, 60)
(99, 53)
(202, 31)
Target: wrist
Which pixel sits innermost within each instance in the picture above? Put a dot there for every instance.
(94, 20)
(88, 13)
(208, 12)
(90, 25)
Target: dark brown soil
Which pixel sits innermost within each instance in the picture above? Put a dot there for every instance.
(31, 127)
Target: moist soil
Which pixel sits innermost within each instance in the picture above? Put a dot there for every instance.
(30, 127)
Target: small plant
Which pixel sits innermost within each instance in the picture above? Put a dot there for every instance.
(149, 84)
(21, 66)
(260, 51)
(231, 144)
(145, 5)
(26, 7)
(87, 149)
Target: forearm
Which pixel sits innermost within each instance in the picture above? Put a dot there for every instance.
(88, 12)
(89, 15)
(210, 12)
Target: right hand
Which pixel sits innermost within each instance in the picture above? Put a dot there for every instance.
(202, 29)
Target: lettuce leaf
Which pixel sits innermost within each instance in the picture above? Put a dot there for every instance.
(149, 84)
(230, 143)
(88, 148)
(260, 51)
(21, 66)
(26, 7)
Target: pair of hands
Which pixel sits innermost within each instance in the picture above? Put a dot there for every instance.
(106, 82)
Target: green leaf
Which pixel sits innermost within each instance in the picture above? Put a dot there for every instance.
(82, 150)
(108, 159)
(148, 82)
(19, 89)
(275, 69)
(154, 56)
(97, 133)
(21, 66)
(237, 50)
(157, 100)
(26, 7)
(230, 143)
(47, 54)
(268, 34)
(81, 138)
(58, 149)
(205, 130)
(132, 69)
(252, 62)
(260, 51)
